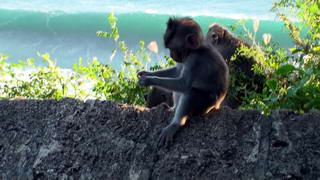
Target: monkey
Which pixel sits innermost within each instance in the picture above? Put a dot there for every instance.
(240, 69)
(227, 44)
(199, 80)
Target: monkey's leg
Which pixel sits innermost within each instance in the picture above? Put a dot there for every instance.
(182, 111)
(175, 96)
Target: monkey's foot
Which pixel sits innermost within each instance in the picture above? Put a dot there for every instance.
(167, 134)
(165, 106)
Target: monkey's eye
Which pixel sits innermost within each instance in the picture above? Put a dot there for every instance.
(214, 36)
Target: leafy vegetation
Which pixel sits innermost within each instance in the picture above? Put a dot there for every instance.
(36, 82)
(292, 76)
(92, 80)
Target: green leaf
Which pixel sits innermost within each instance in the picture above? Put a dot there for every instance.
(316, 49)
(285, 69)
(293, 90)
(303, 81)
(273, 98)
(272, 84)
(295, 50)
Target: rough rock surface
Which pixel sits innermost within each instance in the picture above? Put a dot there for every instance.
(75, 140)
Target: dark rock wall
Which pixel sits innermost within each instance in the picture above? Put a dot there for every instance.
(71, 140)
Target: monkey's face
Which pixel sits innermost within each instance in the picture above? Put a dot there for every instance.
(177, 54)
(213, 38)
(215, 34)
(178, 51)
(182, 36)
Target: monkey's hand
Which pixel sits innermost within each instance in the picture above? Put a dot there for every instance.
(144, 80)
(143, 73)
(167, 134)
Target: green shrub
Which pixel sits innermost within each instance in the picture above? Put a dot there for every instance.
(45, 82)
(293, 78)
(92, 80)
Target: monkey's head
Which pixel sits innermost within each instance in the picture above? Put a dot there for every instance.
(182, 36)
(220, 36)
(216, 34)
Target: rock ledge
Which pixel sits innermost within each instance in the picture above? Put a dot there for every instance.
(71, 140)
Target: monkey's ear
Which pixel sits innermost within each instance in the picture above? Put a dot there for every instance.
(193, 41)
(170, 23)
(223, 33)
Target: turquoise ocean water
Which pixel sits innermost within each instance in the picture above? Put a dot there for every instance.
(67, 28)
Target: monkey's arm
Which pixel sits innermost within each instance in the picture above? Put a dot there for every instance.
(168, 72)
(179, 84)
(182, 83)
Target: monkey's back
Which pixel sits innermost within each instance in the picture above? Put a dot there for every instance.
(213, 73)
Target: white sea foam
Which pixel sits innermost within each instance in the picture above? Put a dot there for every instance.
(224, 8)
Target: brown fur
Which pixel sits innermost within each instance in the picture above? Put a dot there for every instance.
(199, 80)
(227, 44)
